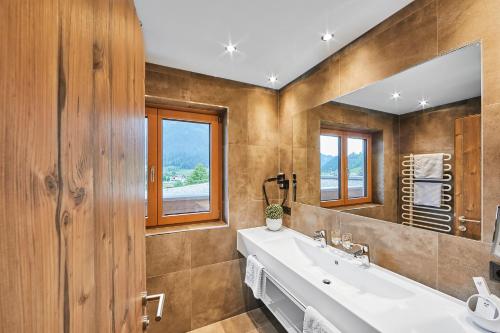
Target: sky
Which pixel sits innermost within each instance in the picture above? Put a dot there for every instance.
(329, 145)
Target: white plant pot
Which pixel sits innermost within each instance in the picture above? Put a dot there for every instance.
(274, 224)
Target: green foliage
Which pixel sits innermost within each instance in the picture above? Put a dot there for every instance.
(198, 176)
(178, 183)
(169, 172)
(330, 164)
(356, 164)
(274, 211)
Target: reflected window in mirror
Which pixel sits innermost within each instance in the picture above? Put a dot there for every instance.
(345, 162)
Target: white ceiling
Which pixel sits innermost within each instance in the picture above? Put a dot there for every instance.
(281, 37)
(453, 77)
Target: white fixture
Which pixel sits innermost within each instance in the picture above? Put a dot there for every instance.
(188, 34)
(352, 298)
(395, 95)
(326, 37)
(423, 103)
(230, 48)
(273, 78)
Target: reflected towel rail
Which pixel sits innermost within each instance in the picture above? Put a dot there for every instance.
(444, 208)
(443, 228)
(446, 187)
(446, 157)
(433, 218)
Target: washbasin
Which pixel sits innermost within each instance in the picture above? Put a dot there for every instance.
(355, 299)
(343, 272)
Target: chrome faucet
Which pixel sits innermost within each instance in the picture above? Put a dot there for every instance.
(320, 236)
(359, 251)
(363, 254)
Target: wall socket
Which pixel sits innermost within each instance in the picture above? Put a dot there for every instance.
(494, 271)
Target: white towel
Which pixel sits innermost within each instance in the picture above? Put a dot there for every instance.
(427, 194)
(254, 275)
(428, 166)
(314, 322)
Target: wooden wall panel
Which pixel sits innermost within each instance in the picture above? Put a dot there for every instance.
(76, 195)
(71, 171)
(28, 167)
(468, 174)
(127, 105)
(102, 167)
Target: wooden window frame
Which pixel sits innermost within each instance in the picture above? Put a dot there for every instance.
(152, 138)
(155, 149)
(344, 194)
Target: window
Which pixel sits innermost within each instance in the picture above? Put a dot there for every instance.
(345, 160)
(183, 167)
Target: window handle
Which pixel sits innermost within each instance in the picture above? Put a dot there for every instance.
(152, 174)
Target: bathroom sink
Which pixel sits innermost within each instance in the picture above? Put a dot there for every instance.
(354, 298)
(341, 271)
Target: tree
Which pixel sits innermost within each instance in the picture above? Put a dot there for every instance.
(198, 176)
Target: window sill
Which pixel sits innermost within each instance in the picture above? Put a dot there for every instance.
(170, 229)
(357, 206)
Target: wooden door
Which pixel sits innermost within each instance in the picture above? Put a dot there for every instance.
(71, 166)
(468, 176)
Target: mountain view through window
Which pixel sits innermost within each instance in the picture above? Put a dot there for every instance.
(330, 164)
(185, 167)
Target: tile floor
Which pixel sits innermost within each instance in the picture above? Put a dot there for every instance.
(256, 321)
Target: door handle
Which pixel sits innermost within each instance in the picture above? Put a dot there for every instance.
(462, 219)
(159, 310)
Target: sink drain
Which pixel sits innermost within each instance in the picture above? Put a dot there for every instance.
(326, 281)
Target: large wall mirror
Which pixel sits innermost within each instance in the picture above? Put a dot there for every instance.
(406, 149)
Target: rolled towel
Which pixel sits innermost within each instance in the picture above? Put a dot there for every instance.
(428, 166)
(314, 322)
(427, 194)
(254, 275)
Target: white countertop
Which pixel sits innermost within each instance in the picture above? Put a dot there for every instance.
(386, 301)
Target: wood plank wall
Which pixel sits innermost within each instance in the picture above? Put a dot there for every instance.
(468, 175)
(71, 171)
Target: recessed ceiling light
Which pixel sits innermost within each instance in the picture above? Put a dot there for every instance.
(230, 48)
(326, 37)
(273, 78)
(423, 103)
(395, 95)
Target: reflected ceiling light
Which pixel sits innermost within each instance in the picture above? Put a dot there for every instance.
(230, 48)
(326, 37)
(423, 103)
(395, 95)
(272, 78)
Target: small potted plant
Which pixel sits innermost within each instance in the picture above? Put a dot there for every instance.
(274, 217)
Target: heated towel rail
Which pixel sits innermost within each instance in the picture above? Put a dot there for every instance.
(433, 218)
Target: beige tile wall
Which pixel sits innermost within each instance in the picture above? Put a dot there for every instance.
(417, 33)
(443, 262)
(433, 130)
(200, 271)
